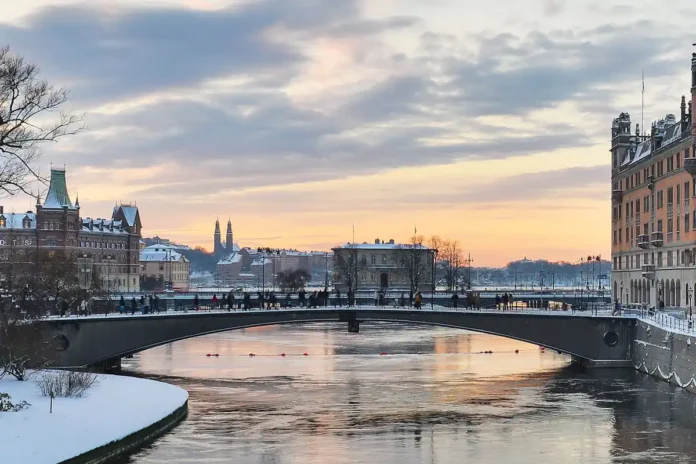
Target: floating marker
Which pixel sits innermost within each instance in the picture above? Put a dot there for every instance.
(252, 354)
(517, 351)
(282, 354)
(383, 354)
(304, 354)
(216, 355)
(208, 355)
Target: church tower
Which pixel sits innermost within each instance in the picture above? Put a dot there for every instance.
(229, 242)
(217, 249)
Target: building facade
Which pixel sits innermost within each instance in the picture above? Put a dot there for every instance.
(166, 264)
(654, 210)
(107, 247)
(383, 265)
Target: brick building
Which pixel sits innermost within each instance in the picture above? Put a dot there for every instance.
(109, 247)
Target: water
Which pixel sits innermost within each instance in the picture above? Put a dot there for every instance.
(432, 399)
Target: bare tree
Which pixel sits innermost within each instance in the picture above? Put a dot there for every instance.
(347, 267)
(414, 258)
(26, 106)
(33, 282)
(451, 258)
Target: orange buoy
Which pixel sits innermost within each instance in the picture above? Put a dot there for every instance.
(304, 354)
(517, 351)
(282, 354)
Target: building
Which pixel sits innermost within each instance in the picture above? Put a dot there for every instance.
(229, 269)
(653, 209)
(107, 247)
(383, 265)
(167, 265)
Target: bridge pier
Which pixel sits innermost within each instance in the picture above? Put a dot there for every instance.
(354, 326)
(110, 366)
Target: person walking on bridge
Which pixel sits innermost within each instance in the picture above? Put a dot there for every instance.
(302, 298)
(419, 300)
(122, 305)
(134, 306)
(337, 301)
(247, 301)
(455, 299)
(195, 302)
(230, 300)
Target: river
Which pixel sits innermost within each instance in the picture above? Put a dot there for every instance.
(406, 394)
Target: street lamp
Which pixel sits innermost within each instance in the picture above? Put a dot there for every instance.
(432, 295)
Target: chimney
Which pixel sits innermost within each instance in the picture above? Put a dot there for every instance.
(391, 241)
(2, 210)
(376, 241)
(683, 109)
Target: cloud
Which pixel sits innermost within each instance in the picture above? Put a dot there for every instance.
(553, 7)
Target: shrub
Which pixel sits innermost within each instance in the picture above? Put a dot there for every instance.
(66, 384)
(6, 404)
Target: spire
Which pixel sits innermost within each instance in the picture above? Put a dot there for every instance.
(229, 240)
(217, 226)
(77, 200)
(57, 196)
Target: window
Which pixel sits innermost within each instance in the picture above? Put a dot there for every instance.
(373, 259)
(678, 194)
(659, 259)
(646, 204)
(686, 193)
(670, 259)
(678, 160)
(620, 230)
(659, 225)
(670, 195)
(670, 226)
(686, 222)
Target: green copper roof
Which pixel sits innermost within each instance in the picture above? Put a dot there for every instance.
(57, 196)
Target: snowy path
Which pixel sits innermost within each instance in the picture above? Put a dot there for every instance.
(113, 409)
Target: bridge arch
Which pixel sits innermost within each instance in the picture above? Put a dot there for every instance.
(93, 341)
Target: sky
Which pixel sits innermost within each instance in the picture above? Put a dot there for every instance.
(484, 122)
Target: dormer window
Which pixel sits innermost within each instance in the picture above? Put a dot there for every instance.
(3, 221)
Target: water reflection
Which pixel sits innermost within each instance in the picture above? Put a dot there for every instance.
(434, 398)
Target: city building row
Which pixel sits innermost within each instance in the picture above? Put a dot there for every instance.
(107, 247)
(653, 209)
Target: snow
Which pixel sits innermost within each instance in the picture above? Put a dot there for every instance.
(643, 151)
(113, 409)
(16, 220)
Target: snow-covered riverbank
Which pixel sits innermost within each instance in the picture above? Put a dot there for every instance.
(111, 410)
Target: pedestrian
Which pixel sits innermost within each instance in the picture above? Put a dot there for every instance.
(509, 295)
(301, 297)
(455, 299)
(215, 301)
(122, 305)
(273, 300)
(157, 304)
(134, 306)
(260, 297)
(419, 300)
(505, 301)
(247, 301)
(338, 299)
(351, 298)
(195, 302)
(402, 300)
(288, 300)
(478, 301)
(151, 303)
(410, 298)
(230, 301)
(376, 297)
(497, 302)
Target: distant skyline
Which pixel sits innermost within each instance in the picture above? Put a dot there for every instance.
(488, 123)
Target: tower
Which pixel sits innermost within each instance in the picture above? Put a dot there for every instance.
(217, 247)
(229, 242)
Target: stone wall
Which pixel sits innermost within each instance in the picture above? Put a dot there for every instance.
(665, 354)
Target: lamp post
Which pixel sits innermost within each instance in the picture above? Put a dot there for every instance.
(434, 276)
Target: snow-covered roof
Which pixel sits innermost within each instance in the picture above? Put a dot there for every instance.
(231, 259)
(261, 262)
(642, 152)
(382, 246)
(672, 134)
(161, 256)
(103, 226)
(57, 196)
(129, 213)
(159, 247)
(16, 220)
(235, 247)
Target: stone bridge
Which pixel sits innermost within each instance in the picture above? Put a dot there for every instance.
(99, 342)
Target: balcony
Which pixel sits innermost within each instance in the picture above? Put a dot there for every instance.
(657, 239)
(617, 195)
(690, 166)
(644, 241)
(651, 183)
(648, 271)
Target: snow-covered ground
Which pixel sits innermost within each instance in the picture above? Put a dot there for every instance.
(111, 410)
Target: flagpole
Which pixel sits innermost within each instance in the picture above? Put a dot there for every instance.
(642, 100)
